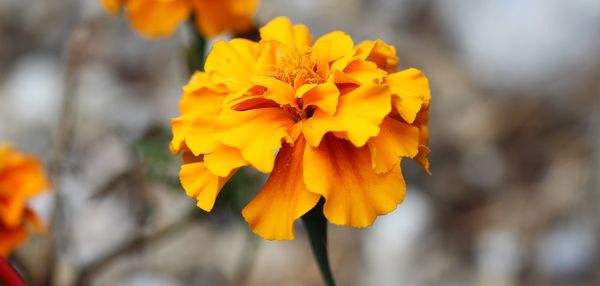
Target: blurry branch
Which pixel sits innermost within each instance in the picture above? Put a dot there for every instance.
(86, 274)
(74, 55)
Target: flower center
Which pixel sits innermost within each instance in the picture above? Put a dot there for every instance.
(296, 68)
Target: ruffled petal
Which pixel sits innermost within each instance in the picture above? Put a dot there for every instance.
(199, 109)
(223, 159)
(410, 89)
(396, 139)
(283, 199)
(358, 116)
(276, 90)
(231, 63)
(380, 53)
(365, 72)
(157, 18)
(329, 48)
(202, 185)
(257, 133)
(333, 46)
(355, 195)
(323, 96)
(280, 29)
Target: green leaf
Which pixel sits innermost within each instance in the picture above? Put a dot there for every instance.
(316, 227)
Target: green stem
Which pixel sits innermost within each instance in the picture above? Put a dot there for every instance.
(197, 49)
(316, 226)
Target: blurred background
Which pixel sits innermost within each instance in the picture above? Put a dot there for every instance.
(515, 131)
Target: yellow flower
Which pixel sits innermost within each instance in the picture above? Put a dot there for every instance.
(21, 178)
(157, 18)
(327, 119)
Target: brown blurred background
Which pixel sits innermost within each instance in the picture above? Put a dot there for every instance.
(515, 125)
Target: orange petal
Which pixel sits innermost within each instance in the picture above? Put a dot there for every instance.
(324, 96)
(223, 159)
(157, 18)
(284, 198)
(112, 6)
(200, 110)
(410, 89)
(231, 63)
(200, 184)
(358, 116)
(257, 133)
(355, 195)
(12, 210)
(280, 29)
(11, 239)
(396, 139)
(215, 17)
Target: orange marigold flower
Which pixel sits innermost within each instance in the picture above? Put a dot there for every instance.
(157, 18)
(21, 178)
(327, 119)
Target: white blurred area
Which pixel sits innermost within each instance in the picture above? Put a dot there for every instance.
(514, 127)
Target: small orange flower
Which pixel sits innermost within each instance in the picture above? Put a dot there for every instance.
(21, 178)
(327, 119)
(157, 18)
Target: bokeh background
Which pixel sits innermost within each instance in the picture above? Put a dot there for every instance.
(515, 131)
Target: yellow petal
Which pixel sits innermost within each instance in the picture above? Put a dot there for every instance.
(157, 18)
(200, 184)
(333, 46)
(277, 90)
(380, 53)
(199, 111)
(247, 102)
(396, 139)
(201, 80)
(365, 72)
(280, 29)
(324, 96)
(230, 63)
(410, 89)
(283, 199)
(223, 159)
(355, 195)
(257, 133)
(329, 48)
(358, 116)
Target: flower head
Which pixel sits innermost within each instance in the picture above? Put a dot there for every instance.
(157, 18)
(21, 178)
(327, 119)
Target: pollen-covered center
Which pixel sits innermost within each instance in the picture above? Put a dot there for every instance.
(296, 68)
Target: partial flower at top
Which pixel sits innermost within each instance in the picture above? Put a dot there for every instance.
(159, 18)
(21, 178)
(327, 119)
